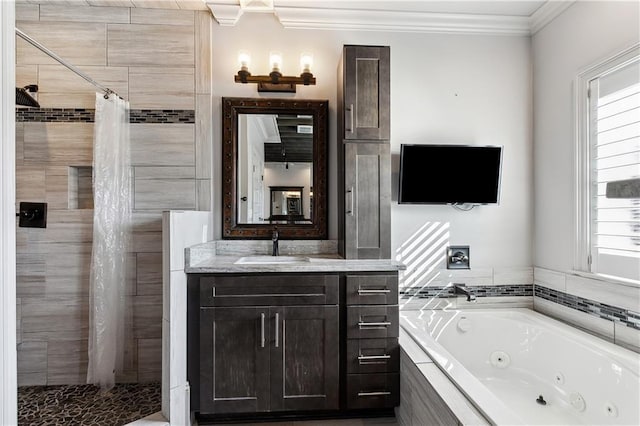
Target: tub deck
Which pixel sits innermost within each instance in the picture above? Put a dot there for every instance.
(501, 361)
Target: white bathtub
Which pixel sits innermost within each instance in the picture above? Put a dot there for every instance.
(503, 360)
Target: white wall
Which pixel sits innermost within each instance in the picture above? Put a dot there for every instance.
(444, 89)
(584, 34)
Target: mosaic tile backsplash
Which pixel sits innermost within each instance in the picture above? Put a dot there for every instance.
(82, 115)
(478, 290)
(591, 307)
(604, 311)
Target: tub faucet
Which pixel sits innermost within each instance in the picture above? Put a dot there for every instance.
(462, 289)
(274, 238)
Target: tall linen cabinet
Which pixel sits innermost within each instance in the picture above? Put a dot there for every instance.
(364, 177)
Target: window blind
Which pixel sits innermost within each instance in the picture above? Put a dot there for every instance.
(614, 105)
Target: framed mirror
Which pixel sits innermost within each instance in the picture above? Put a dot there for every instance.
(274, 168)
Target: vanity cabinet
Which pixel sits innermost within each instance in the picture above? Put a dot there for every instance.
(373, 351)
(276, 358)
(274, 344)
(364, 161)
(268, 343)
(365, 86)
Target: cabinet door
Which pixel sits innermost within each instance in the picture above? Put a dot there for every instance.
(305, 358)
(234, 360)
(367, 229)
(366, 92)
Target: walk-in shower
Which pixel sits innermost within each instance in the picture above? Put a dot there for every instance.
(110, 315)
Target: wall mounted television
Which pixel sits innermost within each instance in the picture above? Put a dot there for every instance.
(449, 174)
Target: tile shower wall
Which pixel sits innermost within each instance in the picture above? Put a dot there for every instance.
(161, 62)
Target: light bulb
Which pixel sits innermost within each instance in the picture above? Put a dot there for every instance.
(306, 61)
(275, 61)
(244, 59)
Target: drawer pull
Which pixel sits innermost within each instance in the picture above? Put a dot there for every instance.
(372, 357)
(362, 292)
(262, 330)
(277, 330)
(374, 324)
(364, 394)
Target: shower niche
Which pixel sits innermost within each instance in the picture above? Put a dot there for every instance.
(80, 187)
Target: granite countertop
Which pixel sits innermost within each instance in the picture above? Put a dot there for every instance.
(207, 258)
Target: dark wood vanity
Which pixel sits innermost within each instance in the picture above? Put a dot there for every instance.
(312, 339)
(264, 345)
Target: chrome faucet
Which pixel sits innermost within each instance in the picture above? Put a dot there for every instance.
(462, 289)
(274, 238)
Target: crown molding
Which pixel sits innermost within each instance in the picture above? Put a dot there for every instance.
(547, 13)
(227, 13)
(398, 21)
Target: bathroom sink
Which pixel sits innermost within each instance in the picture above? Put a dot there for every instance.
(270, 260)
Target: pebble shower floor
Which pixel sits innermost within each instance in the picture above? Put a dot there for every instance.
(85, 405)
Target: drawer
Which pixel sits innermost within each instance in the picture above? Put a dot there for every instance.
(271, 290)
(373, 390)
(372, 322)
(372, 289)
(373, 356)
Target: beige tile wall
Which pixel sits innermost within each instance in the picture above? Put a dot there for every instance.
(157, 59)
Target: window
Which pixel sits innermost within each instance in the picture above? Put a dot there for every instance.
(608, 151)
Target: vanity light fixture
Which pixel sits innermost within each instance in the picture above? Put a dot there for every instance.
(275, 81)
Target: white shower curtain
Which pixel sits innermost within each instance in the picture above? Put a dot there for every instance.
(109, 310)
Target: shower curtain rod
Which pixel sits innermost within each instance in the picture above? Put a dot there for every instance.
(57, 58)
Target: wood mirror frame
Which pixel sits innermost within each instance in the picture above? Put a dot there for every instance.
(231, 108)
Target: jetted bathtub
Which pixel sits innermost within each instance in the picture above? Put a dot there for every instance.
(520, 367)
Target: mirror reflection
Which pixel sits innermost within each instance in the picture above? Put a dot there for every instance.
(275, 169)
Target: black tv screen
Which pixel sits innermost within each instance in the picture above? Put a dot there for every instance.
(449, 174)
